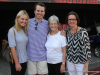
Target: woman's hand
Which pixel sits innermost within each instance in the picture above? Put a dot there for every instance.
(17, 64)
(85, 70)
(18, 67)
(62, 68)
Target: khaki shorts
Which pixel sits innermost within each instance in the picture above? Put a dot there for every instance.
(34, 67)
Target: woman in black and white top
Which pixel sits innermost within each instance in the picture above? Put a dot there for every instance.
(78, 46)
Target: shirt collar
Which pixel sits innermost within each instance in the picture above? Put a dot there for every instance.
(36, 21)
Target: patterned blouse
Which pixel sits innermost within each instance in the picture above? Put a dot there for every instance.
(78, 46)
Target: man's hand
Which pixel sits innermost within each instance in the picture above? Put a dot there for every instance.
(63, 33)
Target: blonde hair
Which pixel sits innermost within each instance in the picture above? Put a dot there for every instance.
(25, 28)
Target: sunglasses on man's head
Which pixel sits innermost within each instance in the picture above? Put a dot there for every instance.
(36, 26)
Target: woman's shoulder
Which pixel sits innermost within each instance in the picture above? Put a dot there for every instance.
(11, 30)
(58, 32)
(59, 35)
(48, 35)
(66, 30)
(83, 29)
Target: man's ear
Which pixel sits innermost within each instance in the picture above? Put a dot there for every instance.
(34, 11)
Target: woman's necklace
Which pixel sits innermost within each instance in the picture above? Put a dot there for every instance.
(72, 35)
(76, 30)
(53, 33)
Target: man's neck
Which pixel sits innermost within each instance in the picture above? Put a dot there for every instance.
(38, 20)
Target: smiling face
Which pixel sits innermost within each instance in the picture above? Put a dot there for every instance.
(72, 21)
(22, 20)
(39, 12)
(53, 25)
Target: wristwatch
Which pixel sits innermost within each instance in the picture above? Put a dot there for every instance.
(63, 63)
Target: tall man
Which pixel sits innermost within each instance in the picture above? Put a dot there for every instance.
(37, 33)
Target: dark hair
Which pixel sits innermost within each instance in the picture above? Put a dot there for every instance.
(40, 4)
(72, 13)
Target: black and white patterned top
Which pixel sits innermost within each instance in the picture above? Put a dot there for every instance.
(78, 46)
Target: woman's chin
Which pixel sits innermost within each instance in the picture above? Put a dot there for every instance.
(53, 29)
(72, 25)
(23, 25)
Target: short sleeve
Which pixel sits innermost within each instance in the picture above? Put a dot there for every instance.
(63, 41)
(11, 38)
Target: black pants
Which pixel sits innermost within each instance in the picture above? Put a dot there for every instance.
(54, 69)
(22, 72)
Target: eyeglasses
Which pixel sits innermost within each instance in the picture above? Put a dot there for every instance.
(72, 19)
(36, 26)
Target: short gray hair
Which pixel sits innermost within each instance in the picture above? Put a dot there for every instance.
(53, 17)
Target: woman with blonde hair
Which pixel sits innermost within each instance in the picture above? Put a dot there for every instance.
(17, 37)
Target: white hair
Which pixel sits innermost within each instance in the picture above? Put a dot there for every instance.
(53, 17)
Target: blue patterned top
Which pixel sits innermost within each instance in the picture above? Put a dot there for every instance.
(36, 50)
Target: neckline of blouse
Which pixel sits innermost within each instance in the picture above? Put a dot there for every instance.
(54, 34)
(76, 32)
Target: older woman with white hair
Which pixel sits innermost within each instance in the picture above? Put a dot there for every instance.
(56, 48)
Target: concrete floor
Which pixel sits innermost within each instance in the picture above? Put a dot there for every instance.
(5, 68)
